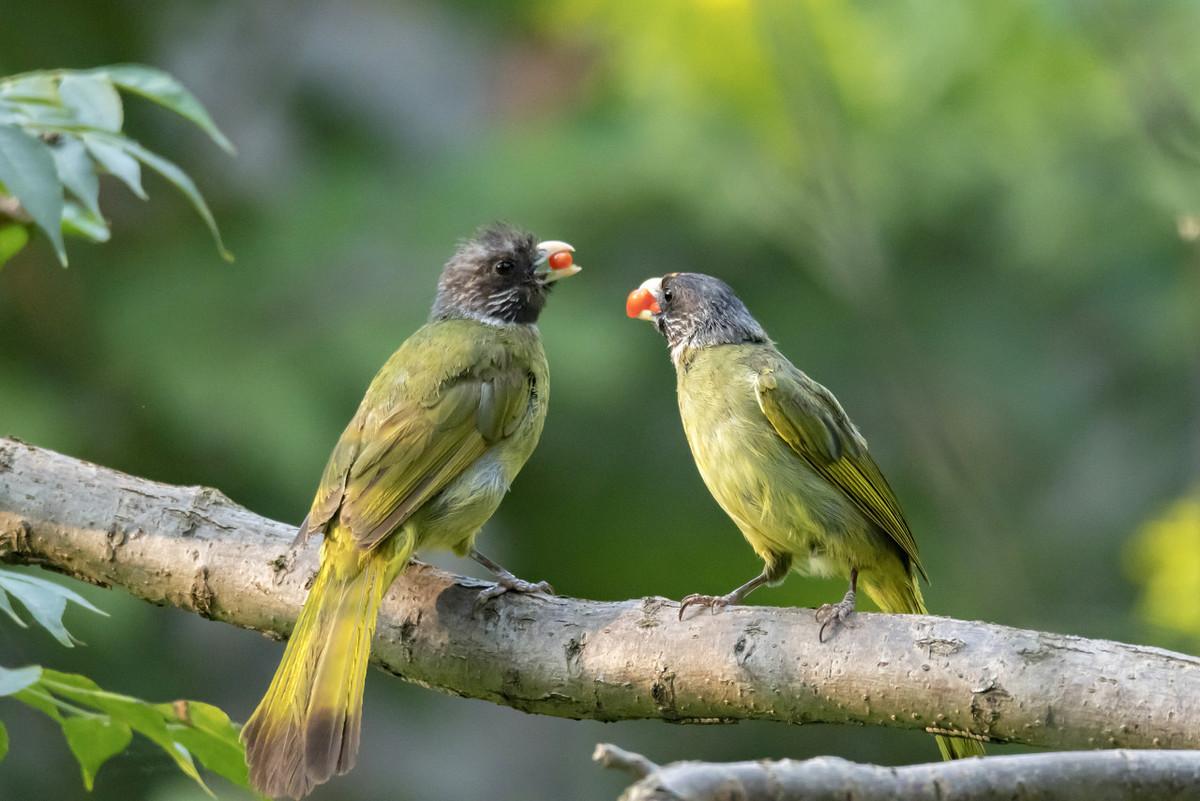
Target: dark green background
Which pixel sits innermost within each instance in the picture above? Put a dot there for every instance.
(970, 222)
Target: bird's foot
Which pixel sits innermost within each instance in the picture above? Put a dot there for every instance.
(830, 616)
(715, 603)
(510, 583)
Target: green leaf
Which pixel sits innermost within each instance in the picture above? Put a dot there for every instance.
(78, 221)
(99, 724)
(142, 717)
(12, 238)
(34, 696)
(32, 87)
(77, 171)
(27, 170)
(3, 741)
(13, 680)
(92, 99)
(209, 734)
(45, 601)
(156, 85)
(183, 183)
(93, 741)
(116, 161)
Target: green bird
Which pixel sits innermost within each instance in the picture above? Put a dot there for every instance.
(782, 459)
(440, 435)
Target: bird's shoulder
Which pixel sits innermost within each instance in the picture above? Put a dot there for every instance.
(449, 392)
(810, 419)
(784, 390)
(444, 352)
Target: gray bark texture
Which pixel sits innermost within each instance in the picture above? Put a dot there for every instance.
(194, 548)
(1063, 776)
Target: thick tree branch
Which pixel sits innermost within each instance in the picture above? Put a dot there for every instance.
(194, 548)
(1062, 776)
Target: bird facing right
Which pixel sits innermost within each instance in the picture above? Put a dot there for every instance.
(782, 458)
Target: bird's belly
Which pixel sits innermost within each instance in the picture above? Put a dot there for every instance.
(780, 504)
(452, 518)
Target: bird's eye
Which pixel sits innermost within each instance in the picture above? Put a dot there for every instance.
(668, 295)
(503, 267)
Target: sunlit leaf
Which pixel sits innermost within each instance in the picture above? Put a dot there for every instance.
(77, 171)
(156, 85)
(1166, 557)
(183, 183)
(45, 601)
(27, 171)
(119, 163)
(94, 740)
(3, 741)
(13, 238)
(13, 680)
(93, 100)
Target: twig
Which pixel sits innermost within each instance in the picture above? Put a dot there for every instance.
(1061, 776)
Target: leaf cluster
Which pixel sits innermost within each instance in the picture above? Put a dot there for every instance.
(61, 129)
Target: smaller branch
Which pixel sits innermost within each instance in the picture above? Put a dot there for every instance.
(1062, 776)
(11, 207)
(611, 756)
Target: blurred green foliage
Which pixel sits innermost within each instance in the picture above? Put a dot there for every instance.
(977, 224)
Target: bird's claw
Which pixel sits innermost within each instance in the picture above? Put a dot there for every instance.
(833, 615)
(511, 584)
(715, 603)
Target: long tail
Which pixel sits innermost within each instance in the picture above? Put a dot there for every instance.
(905, 597)
(306, 728)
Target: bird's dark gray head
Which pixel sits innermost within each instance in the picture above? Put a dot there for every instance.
(693, 310)
(500, 275)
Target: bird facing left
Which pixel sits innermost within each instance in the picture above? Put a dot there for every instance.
(442, 431)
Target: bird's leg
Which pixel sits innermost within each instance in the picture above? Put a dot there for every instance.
(718, 602)
(505, 581)
(836, 614)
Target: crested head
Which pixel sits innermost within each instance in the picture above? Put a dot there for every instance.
(693, 310)
(498, 276)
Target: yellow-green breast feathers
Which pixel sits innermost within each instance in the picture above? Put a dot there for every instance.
(443, 428)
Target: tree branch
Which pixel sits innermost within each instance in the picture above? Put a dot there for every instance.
(193, 548)
(11, 207)
(1062, 776)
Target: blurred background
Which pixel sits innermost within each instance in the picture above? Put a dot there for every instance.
(979, 226)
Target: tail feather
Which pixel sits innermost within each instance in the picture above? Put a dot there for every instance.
(306, 728)
(959, 747)
(906, 598)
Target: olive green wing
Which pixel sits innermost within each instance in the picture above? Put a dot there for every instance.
(422, 446)
(333, 480)
(809, 418)
(388, 465)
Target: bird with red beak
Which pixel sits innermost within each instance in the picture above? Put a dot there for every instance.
(441, 433)
(782, 458)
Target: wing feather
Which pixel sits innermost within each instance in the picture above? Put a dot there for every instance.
(809, 418)
(403, 447)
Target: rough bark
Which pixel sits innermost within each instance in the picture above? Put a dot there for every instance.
(1062, 776)
(194, 548)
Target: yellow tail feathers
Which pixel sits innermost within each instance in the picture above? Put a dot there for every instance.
(959, 747)
(905, 597)
(306, 728)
